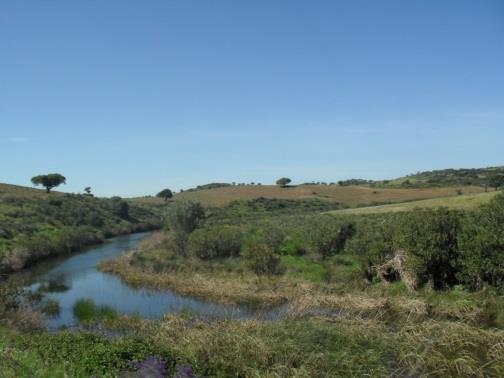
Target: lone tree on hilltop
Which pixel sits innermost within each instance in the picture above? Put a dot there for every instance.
(283, 182)
(49, 181)
(165, 194)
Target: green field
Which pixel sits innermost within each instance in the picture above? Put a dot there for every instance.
(465, 201)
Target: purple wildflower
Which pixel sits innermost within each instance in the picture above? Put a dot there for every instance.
(184, 371)
(152, 367)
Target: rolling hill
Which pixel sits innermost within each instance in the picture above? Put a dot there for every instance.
(446, 177)
(351, 196)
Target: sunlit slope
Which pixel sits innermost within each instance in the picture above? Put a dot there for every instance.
(346, 195)
(22, 191)
(465, 201)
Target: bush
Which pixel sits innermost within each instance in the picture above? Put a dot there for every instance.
(482, 246)
(185, 217)
(263, 260)
(119, 207)
(430, 241)
(328, 235)
(373, 244)
(215, 242)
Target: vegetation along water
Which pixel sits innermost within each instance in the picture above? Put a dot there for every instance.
(268, 286)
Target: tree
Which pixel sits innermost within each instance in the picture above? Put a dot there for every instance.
(87, 189)
(283, 182)
(496, 181)
(49, 181)
(119, 207)
(183, 218)
(165, 194)
(482, 246)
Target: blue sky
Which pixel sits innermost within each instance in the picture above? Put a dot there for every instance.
(133, 96)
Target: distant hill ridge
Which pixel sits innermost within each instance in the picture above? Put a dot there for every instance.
(449, 177)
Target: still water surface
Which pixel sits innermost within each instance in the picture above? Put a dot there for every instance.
(72, 278)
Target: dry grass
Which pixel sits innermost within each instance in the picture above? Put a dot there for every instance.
(350, 347)
(348, 195)
(452, 349)
(234, 288)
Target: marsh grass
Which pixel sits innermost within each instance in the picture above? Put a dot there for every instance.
(315, 346)
(85, 310)
(51, 308)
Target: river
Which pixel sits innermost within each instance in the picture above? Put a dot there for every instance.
(75, 277)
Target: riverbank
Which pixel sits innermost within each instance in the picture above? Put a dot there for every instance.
(347, 294)
(37, 226)
(300, 347)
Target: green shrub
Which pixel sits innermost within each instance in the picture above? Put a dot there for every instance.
(430, 241)
(373, 243)
(482, 246)
(263, 260)
(293, 245)
(119, 207)
(215, 242)
(185, 217)
(265, 233)
(328, 235)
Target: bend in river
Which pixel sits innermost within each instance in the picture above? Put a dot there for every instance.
(70, 279)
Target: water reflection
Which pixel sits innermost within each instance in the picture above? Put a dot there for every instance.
(72, 279)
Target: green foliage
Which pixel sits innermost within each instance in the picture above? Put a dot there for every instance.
(49, 181)
(496, 181)
(185, 216)
(293, 245)
(33, 227)
(301, 266)
(283, 182)
(266, 233)
(328, 235)
(51, 307)
(85, 354)
(215, 242)
(261, 207)
(263, 260)
(85, 310)
(213, 185)
(354, 182)
(430, 239)
(482, 246)
(446, 177)
(373, 243)
(119, 207)
(166, 194)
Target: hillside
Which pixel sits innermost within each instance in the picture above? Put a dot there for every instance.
(34, 224)
(465, 201)
(446, 177)
(350, 196)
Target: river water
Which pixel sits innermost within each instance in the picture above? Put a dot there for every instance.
(75, 277)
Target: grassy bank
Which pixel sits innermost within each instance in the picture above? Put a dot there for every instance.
(307, 285)
(300, 347)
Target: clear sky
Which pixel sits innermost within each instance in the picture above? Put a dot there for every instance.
(133, 96)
